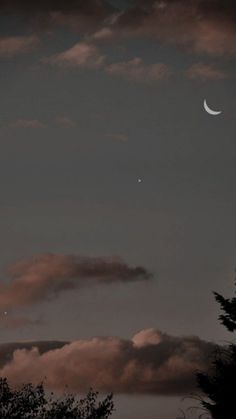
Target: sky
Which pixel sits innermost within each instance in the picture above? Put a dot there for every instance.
(117, 195)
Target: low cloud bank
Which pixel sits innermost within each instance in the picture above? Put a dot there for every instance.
(151, 362)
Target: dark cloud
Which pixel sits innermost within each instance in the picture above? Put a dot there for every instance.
(77, 14)
(202, 26)
(88, 7)
(150, 363)
(47, 275)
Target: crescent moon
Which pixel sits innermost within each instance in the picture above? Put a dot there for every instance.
(209, 110)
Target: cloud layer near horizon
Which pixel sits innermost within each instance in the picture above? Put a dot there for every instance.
(44, 276)
(150, 363)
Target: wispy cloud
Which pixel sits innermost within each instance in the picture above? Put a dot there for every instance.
(80, 16)
(87, 55)
(206, 72)
(204, 27)
(27, 123)
(102, 34)
(151, 362)
(65, 121)
(119, 136)
(82, 55)
(201, 26)
(48, 275)
(138, 71)
(15, 45)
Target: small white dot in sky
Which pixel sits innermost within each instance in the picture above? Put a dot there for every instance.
(139, 180)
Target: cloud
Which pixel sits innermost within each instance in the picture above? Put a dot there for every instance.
(203, 26)
(79, 15)
(7, 349)
(138, 71)
(102, 34)
(122, 137)
(206, 72)
(87, 55)
(65, 121)
(16, 45)
(65, 6)
(28, 123)
(150, 363)
(48, 275)
(200, 25)
(82, 55)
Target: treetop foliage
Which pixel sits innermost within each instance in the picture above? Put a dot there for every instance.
(30, 402)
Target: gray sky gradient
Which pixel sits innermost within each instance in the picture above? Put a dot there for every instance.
(76, 134)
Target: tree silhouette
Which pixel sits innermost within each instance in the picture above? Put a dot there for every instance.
(30, 402)
(218, 385)
(229, 307)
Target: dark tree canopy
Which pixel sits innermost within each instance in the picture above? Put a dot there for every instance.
(229, 307)
(30, 402)
(218, 385)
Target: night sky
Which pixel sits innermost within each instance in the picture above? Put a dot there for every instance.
(117, 194)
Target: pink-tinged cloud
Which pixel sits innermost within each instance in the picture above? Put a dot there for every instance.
(81, 55)
(28, 123)
(102, 34)
(16, 45)
(206, 72)
(150, 363)
(201, 26)
(7, 349)
(65, 121)
(138, 71)
(119, 136)
(45, 276)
